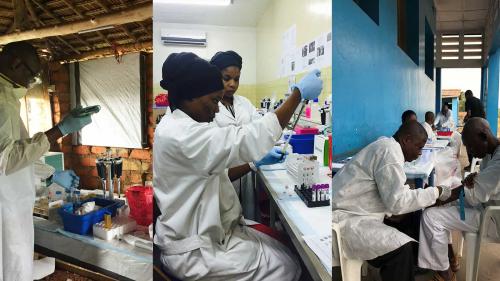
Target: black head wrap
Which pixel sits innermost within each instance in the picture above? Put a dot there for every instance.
(186, 76)
(226, 59)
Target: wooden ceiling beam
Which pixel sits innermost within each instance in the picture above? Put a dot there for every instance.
(107, 52)
(132, 14)
(68, 44)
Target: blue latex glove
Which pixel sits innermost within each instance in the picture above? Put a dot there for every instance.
(77, 119)
(272, 157)
(310, 86)
(67, 179)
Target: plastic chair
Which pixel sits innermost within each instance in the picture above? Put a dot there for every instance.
(350, 269)
(473, 243)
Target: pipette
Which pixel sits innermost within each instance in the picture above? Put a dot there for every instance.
(304, 103)
(89, 110)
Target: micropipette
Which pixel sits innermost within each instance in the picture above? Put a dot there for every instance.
(304, 103)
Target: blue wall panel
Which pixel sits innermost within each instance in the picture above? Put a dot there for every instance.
(374, 81)
(493, 88)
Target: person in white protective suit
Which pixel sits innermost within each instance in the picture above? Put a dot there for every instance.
(444, 118)
(482, 189)
(201, 231)
(236, 110)
(19, 68)
(370, 187)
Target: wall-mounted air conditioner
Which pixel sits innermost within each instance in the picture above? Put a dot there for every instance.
(184, 37)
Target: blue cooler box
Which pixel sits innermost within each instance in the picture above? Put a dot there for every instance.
(82, 224)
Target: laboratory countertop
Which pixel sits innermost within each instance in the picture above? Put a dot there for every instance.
(299, 220)
(114, 258)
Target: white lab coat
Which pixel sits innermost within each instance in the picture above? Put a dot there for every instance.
(245, 113)
(368, 188)
(428, 129)
(17, 188)
(437, 223)
(445, 121)
(200, 230)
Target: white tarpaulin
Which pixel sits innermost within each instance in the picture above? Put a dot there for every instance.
(116, 88)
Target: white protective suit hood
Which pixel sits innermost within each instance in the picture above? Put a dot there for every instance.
(8, 89)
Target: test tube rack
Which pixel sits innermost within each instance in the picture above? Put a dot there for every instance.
(317, 195)
(303, 168)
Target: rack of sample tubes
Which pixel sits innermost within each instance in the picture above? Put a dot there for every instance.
(316, 195)
(304, 168)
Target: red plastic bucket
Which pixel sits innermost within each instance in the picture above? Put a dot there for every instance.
(140, 201)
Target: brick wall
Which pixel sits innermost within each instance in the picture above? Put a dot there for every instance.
(137, 163)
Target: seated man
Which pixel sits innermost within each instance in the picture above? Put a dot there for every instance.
(483, 189)
(444, 119)
(408, 115)
(428, 125)
(372, 186)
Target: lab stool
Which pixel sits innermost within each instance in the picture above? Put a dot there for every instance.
(351, 269)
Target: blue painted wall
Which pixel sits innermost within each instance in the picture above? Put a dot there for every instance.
(493, 88)
(374, 81)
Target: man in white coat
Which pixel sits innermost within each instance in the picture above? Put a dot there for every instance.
(236, 110)
(201, 231)
(481, 190)
(19, 65)
(444, 118)
(370, 187)
(428, 124)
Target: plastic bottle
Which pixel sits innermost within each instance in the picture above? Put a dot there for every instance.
(307, 111)
(315, 115)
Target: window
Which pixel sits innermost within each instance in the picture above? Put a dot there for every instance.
(429, 51)
(408, 16)
(370, 7)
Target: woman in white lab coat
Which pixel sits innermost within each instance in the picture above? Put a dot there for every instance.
(236, 110)
(201, 231)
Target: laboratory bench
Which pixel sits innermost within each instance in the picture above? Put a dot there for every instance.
(301, 223)
(114, 259)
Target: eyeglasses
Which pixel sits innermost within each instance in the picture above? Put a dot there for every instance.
(35, 76)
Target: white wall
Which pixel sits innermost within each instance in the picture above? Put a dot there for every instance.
(219, 38)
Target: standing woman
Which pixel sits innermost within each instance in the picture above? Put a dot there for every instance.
(201, 231)
(236, 110)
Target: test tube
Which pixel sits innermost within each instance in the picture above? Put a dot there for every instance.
(77, 197)
(58, 196)
(68, 196)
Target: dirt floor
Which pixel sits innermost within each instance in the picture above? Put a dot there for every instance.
(62, 275)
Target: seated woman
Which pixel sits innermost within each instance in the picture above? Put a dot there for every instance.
(201, 231)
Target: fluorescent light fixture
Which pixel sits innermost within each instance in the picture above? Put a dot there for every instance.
(473, 43)
(96, 29)
(472, 57)
(198, 2)
(472, 50)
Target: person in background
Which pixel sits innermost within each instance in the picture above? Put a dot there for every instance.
(428, 125)
(19, 71)
(444, 118)
(201, 231)
(408, 115)
(482, 190)
(473, 108)
(372, 187)
(236, 110)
